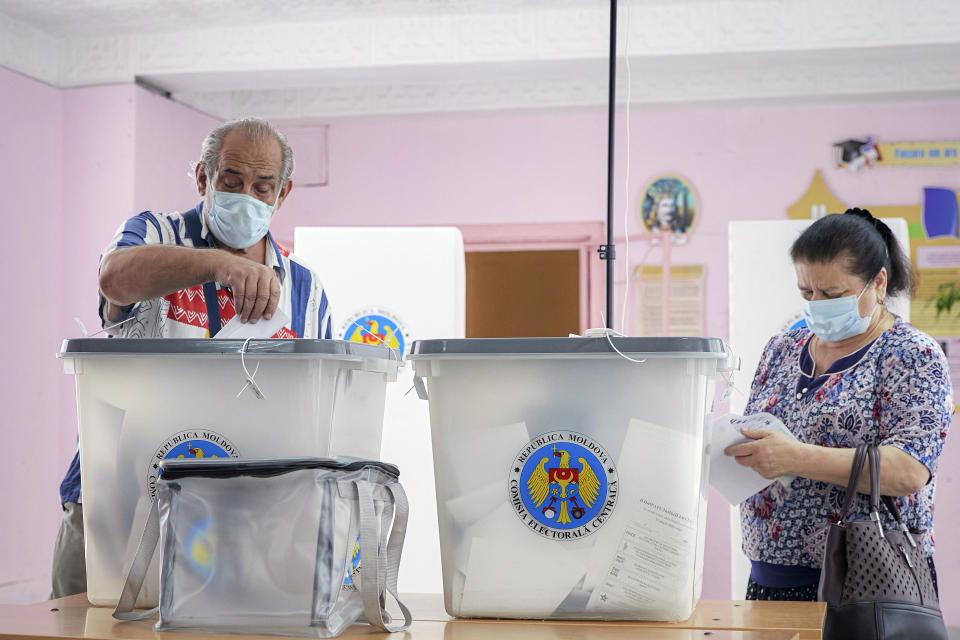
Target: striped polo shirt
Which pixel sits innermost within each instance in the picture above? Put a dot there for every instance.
(200, 311)
(190, 313)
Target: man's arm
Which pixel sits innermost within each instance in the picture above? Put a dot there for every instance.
(134, 274)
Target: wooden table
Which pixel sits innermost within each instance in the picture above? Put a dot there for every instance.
(74, 617)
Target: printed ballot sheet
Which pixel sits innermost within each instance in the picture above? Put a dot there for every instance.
(653, 562)
(645, 556)
(734, 481)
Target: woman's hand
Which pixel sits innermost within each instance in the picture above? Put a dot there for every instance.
(771, 453)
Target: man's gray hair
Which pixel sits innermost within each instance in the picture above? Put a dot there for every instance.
(255, 129)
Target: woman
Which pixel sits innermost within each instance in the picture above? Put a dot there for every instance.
(856, 373)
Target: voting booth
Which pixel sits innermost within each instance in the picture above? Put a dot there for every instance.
(571, 481)
(765, 301)
(141, 401)
(393, 285)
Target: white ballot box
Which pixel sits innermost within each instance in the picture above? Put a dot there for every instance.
(571, 482)
(393, 285)
(142, 401)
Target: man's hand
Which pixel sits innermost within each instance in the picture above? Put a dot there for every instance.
(771, 453)
(256, 290)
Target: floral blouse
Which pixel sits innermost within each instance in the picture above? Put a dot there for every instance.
(897, 392)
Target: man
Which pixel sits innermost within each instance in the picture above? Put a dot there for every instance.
(183, 275)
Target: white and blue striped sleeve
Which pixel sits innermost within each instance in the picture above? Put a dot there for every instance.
(142, 229)
(324, 318)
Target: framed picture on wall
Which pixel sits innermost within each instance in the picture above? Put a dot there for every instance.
(669, 204)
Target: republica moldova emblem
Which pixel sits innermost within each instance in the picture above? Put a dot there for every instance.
(563, 485)
(376, 326)
(191, 443)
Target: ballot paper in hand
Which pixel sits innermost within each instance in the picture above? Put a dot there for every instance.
(263, 328)
(736, 482)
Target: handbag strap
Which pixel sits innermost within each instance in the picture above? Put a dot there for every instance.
(138, 569)
(859, 457)
(892, 508)
(890, 504)
(876, 498)
(872, 450)
(874, 479)
(380, 566)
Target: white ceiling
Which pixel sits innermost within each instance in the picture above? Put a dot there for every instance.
(317, 59)
(97, 17)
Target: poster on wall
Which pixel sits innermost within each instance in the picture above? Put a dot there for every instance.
(669, 205)
(684, 304)
(856, 153)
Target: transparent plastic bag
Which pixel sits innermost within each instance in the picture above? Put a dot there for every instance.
(268, 546)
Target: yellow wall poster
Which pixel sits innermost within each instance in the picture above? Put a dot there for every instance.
(684, 300)
(854, 154)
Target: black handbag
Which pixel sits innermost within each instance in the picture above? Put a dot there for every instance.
(877, 584)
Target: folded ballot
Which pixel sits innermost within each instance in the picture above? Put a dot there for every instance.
(541, 574)
(734, 481)
(262, 329)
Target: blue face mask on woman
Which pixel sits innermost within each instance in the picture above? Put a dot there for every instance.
(837, 319)
(238, 220)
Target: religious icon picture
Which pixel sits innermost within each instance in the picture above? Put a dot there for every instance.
(669, 204)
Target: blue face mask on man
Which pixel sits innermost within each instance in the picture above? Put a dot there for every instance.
(837, 319)
(238, 220)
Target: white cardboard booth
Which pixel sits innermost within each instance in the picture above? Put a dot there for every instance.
(396, 285)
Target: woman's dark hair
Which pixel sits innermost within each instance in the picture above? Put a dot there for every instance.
(865, 243)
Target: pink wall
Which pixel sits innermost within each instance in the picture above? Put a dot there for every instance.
(549, 166)
(98, 184)
(31, 133)
(77, 163)
(527, 167)
(166, 146)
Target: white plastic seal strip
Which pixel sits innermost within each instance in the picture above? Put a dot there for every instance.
(608, 334)
(729, 367)
(251, 383)
(83, 328)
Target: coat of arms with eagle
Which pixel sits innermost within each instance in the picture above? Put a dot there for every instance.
(563, 485)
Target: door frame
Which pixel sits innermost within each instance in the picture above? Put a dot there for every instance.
(584, 237)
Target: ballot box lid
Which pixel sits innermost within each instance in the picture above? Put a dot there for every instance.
(79, 347)
(573, 346)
